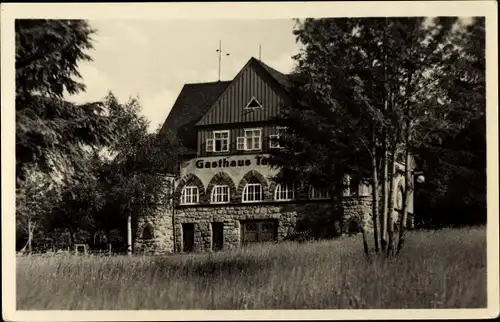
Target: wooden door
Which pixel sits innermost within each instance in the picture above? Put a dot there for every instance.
(217, 236)
(187, 237)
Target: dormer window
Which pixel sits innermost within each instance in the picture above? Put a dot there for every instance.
(219, 142)
(252, 141)
(253, 104)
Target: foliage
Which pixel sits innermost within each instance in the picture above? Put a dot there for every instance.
(456, 162)
(49, 130)
(370, 87)
(124, 179)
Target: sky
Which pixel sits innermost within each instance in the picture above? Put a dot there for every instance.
(152, 60)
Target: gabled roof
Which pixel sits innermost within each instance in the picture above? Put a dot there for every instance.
(280, 81)
(196, 99)
(193, 102)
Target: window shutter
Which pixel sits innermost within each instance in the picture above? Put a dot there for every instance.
(210, 145)
(240, 143)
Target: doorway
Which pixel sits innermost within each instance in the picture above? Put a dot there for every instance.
(187, 237)
(217, 236)
(258, 231)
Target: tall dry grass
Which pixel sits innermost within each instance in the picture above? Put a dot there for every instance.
(441, 269)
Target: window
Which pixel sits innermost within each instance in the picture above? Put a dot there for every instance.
(354, 184)
(252, 192)
(273, 144)
(315, 193)
(284, 192)
(253, 103)
(251, 141)
(190, 195)
(219, 143)
(220, 194)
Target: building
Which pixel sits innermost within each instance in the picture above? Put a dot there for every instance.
(224, 195)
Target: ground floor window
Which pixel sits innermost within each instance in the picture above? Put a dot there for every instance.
(252, 193)
(284, 192)
(258, 231)
(220, 194)
(316, 193)
(190, 195)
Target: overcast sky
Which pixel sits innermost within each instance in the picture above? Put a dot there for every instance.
(154, 59)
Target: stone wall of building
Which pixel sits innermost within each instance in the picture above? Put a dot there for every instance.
(357, 211)
(289, 217)
(155, 233)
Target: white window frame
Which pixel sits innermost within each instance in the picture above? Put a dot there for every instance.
(241, 141)
(288, 191)
(191, 196)
(245, 194)
(274, 144)
(211, 142)
(215, 193)
(323, 194)
(247, 107)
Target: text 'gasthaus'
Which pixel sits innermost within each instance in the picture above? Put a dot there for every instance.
(224, 163)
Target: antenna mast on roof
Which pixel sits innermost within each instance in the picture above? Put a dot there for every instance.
(219, 52)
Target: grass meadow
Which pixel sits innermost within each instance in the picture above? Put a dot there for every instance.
(437, 269)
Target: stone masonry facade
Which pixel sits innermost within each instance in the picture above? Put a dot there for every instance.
(155, 233)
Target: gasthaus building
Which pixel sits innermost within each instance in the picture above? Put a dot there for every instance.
(224, 196)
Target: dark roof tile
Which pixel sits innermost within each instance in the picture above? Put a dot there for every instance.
(192, 103)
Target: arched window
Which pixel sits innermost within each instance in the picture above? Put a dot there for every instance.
(190, 195)
(284, 192)
(220, 194)
(316, 193)
(252, 192)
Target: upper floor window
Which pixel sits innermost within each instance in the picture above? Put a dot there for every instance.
(284, 192)
(252, 193)
(190, 195)
(251, 141)
(219, 142)
(273, 138)
(316, 193)
(220, 194)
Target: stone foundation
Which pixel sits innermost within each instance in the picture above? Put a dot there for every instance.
(288, 218)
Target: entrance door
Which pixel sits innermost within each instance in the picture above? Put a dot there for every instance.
(217, 236)
(258, 231)
(187, 237)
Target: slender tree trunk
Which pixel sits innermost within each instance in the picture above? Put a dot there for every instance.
(390, 218)
(30, 235)
(408, 189)
(365, 239)
(375, 194)
(385, 195)
(72, 238)
(29, 242)
(129, 234)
